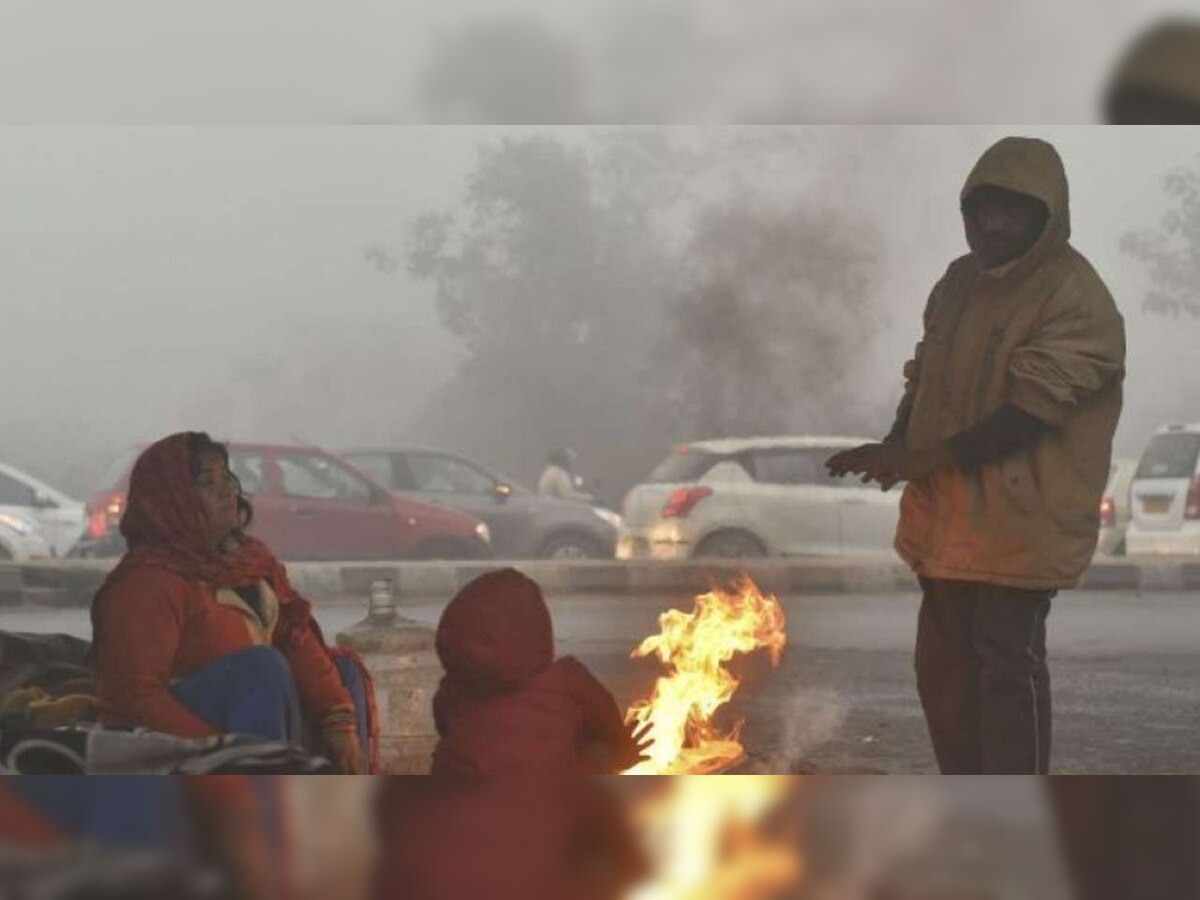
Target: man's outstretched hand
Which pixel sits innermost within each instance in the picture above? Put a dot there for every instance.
(887, 464)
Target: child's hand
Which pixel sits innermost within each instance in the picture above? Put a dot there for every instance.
(635, 748)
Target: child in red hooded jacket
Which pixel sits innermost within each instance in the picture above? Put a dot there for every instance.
(462, 838)
(505, 705)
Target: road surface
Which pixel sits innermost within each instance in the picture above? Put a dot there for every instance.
(1126, 671)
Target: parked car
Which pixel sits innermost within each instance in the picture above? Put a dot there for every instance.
(756, 497)
(59, 518)
(524, 525)
(1115, 509)
(310, 505)
(1166, 494)
(21, 540)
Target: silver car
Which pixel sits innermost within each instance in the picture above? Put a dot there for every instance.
(523, 525)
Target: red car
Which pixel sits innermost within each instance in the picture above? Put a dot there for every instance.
(309, 505)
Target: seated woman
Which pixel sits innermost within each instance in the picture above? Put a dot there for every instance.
(197, 631)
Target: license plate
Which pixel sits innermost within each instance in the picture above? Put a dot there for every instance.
(1156, 506)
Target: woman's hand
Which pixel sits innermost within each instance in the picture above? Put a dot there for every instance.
(344, 751)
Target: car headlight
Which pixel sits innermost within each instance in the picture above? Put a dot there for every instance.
(485, 533)
(608, 516)
(17, 524)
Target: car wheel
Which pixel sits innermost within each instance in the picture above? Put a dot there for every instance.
(567, 547)
(731, 545)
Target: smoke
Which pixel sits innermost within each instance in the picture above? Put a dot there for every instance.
(863, 829)
(623, 291)
(806, 721)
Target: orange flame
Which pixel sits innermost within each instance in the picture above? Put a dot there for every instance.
(695, 648)
(708, 842)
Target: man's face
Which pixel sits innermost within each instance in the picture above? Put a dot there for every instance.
(1002, 224)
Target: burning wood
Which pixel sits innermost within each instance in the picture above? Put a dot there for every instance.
(708, 840)
(696, 648)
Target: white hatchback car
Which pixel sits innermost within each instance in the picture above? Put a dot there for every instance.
(1166, 495)
(756, 497)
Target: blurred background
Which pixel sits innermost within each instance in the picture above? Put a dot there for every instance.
(501, 291)
(748, 838)
(579, 62)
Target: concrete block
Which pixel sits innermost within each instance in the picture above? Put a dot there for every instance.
(1112, 576)
(1162, 576)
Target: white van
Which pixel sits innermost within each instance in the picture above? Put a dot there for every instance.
(1166, 495)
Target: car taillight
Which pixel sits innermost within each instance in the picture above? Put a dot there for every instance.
(1193, 501)
(105, 515)
(683, 501)
(97, 524)
(1108, 513)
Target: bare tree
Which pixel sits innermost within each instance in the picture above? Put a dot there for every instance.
(1171, 252)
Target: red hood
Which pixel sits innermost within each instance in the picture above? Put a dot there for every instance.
(496, 634)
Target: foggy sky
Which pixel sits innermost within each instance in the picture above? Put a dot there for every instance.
(162, 278)
(287, 62)
(201, 264)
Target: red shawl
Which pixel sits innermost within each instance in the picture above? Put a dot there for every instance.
(165, 527)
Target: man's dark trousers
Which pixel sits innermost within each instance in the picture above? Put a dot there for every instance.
(982, 677)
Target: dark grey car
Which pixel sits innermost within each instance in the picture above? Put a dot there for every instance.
(524, 525)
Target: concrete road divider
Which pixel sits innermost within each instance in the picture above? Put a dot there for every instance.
(74, 582)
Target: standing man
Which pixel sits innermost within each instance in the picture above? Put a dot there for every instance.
(1004, 436)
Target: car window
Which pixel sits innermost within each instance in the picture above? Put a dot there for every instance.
(1171, 456)
(787, 467)
(15, 493)
(446, 475)
(376, 466)
(683, 466)
(251, 471)
(728, 471)
(320, 478)
(799, 467)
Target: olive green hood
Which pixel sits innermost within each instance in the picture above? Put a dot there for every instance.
(1032, 167)
(1165, 60)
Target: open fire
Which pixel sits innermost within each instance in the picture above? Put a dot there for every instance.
(709, 839)
(695, 648)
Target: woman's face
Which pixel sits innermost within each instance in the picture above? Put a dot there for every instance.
(218, 493)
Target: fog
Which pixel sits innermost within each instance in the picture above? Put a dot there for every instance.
(160, 278)
(649, 61)
(271, 250)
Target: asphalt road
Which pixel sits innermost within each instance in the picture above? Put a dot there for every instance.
(1125, 669)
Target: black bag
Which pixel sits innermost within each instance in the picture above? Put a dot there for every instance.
(28, 750)
(93, 873)
(45, 660)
